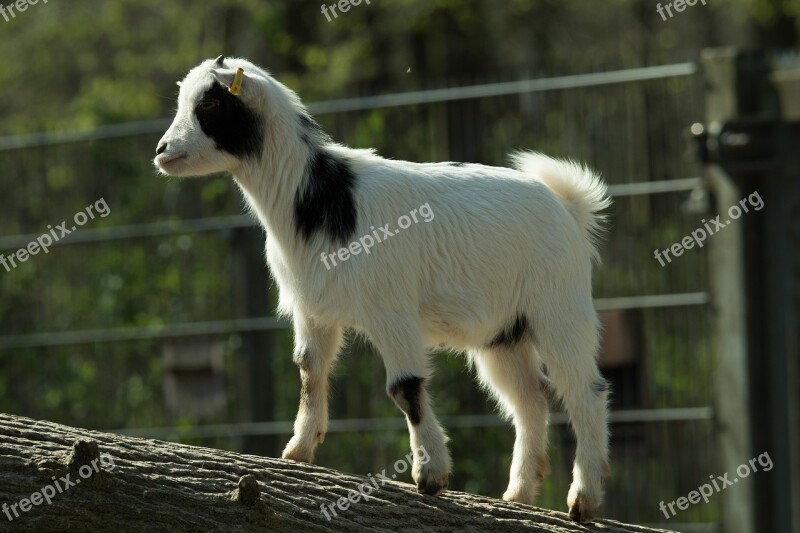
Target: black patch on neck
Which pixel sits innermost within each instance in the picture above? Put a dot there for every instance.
(309, 123)
(235, 128)
(512, 334)
(601, 385)
(309, 128)
(326, 203)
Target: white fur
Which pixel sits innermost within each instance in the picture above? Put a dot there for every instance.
(503, 242)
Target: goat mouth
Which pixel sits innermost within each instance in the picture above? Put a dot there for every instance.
(164, 160)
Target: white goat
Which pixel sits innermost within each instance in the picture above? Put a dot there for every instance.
(503, 273)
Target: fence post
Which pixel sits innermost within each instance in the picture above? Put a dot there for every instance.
(781, 266)
(750, 147)
(255, 369)
(728, 300)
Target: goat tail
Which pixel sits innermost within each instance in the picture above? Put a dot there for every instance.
(582, 190)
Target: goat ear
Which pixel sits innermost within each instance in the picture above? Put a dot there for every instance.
(227, 77)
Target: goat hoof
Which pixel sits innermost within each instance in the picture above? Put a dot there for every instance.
(431, 485)
(517, 495)
(297, 453)
(298, 457)
(580, 511)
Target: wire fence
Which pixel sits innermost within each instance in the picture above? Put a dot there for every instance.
(627, 123)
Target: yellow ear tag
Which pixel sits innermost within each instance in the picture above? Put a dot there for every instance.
(238, 78)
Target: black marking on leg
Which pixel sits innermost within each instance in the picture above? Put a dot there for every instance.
(234, 127)
(303, 360)
(512, 334)
(326, 202)
(407, 393)
(305, 395)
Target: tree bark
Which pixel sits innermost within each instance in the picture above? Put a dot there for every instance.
(149, 485)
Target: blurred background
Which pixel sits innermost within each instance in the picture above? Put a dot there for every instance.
(157, 320)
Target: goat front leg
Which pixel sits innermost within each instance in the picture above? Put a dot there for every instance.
(400, 344)
(315, 351)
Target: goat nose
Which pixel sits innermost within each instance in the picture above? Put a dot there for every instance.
(161, 149)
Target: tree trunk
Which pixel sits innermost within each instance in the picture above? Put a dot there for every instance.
(105, 482)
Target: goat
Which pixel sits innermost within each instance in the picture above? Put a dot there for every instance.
(502, 275)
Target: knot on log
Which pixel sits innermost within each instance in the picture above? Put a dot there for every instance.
(248, 492)
(85, 452)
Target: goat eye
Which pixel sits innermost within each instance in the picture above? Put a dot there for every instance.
(207, 105)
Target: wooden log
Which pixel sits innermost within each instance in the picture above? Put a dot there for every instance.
(60, 478)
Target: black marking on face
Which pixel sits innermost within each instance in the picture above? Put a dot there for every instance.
(326, 203)
(235, 128)
(407, 393)
(457, 164)
(512, 334)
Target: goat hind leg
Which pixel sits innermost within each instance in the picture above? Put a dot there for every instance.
(572, 369)
(513, 376)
